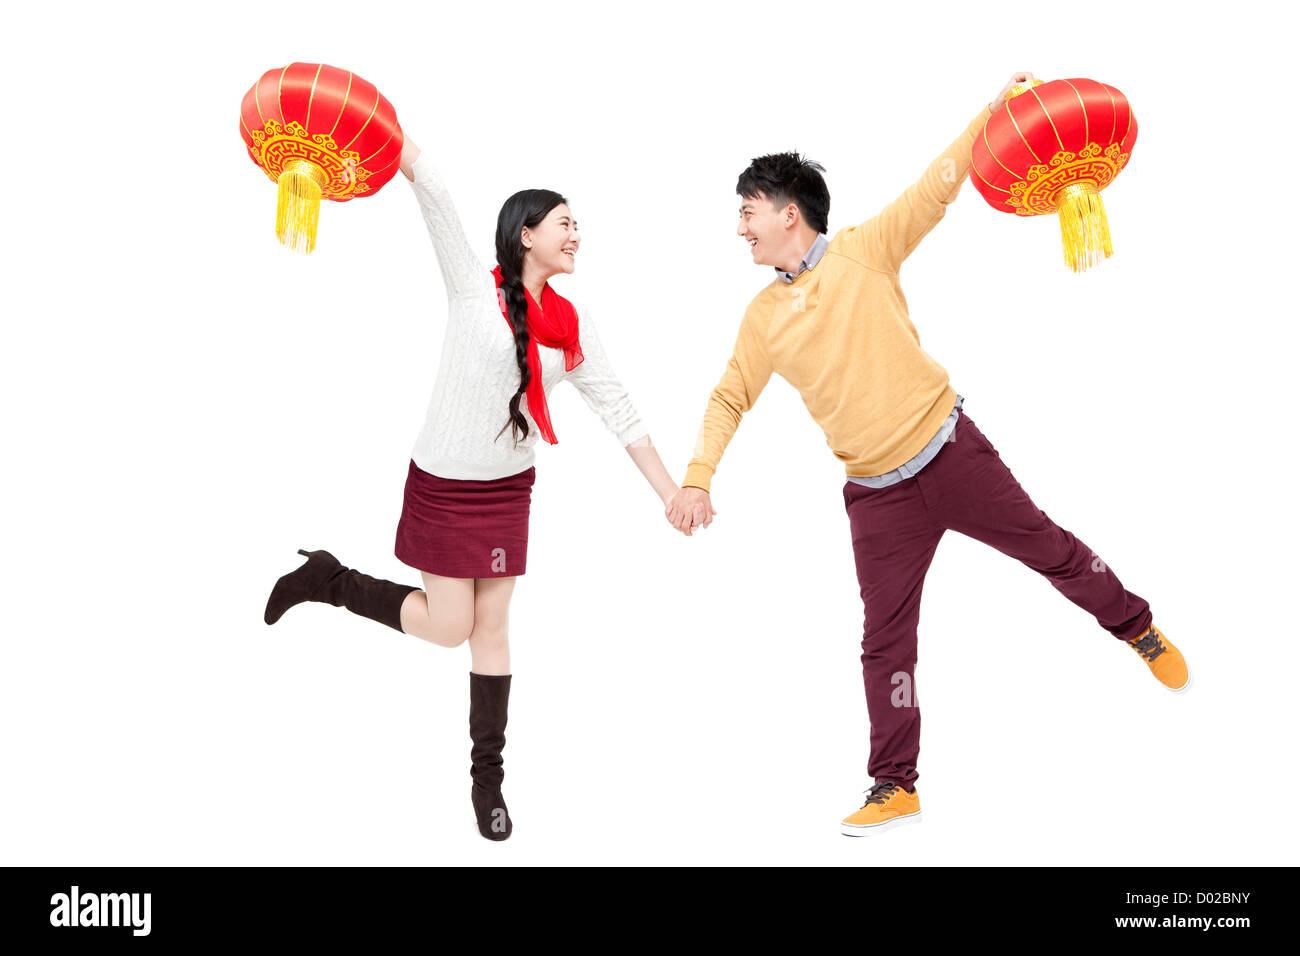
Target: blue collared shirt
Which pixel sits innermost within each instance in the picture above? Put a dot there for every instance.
(921, 459)
(810, 259)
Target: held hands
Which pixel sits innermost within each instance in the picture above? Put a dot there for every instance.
(689, 509)
(685, 508)
(1017, 79)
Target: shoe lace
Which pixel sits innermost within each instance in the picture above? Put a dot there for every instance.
(880, 793)
(1149, 647)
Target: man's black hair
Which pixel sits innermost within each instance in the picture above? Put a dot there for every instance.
(789, 178)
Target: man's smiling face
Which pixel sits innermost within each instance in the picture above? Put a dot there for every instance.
(763, 226)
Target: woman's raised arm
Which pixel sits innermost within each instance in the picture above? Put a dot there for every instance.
(461, 270)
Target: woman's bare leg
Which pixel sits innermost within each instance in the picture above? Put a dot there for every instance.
(488, 647)
(443, 613)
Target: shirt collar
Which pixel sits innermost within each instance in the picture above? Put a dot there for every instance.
(810, 259)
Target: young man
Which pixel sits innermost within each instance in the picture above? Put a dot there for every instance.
(834, 324)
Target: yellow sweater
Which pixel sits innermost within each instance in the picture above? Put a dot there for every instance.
(841, 335)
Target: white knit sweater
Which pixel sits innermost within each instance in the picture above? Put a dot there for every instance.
(478, 373)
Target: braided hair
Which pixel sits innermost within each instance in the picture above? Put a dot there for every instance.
(526, 208)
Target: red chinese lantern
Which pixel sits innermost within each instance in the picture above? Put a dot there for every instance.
(318, 131)
(1054, 148)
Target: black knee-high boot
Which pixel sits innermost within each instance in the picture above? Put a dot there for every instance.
(488, 697)
(322, 578)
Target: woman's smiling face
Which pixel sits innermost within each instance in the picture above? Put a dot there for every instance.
(552, 246)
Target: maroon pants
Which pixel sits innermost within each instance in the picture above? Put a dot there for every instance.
(896, 530)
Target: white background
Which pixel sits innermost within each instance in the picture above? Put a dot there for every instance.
(187, 403)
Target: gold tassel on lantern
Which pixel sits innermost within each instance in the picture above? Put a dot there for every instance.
(297, 207)
(1085, 233)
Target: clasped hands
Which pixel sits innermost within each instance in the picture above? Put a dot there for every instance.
(690, 508)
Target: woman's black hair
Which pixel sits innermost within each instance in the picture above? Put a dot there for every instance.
(526, 208)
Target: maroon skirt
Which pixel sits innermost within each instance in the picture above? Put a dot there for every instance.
(465, 529)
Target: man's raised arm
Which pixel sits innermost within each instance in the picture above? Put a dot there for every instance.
(885, 240)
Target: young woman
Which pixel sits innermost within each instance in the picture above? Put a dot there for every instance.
(510, 338)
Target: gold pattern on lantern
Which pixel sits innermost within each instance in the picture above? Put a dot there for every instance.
(1037, 193)
(275, 146)
(1070, 185)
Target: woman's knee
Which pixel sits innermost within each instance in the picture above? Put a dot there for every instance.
(451, 627)
(491, 614)
(489, 633)
(450, 604)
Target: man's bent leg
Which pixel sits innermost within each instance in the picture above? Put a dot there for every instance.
(894, 541)
(972, 491)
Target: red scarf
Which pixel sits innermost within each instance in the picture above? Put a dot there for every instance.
(554, 324)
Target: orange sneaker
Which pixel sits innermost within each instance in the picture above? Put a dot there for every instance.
(1165, 660)
(888, 805)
